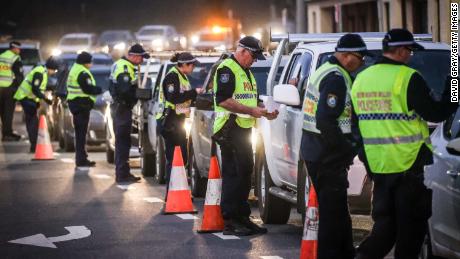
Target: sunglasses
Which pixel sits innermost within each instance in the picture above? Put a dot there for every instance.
(253, 55)
(358, 56)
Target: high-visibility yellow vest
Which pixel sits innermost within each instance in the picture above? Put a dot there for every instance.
(245, 93)
(392, 134)
(73, 87)
(312, 97)
(180, 108)
(7, 59)
(25, 89)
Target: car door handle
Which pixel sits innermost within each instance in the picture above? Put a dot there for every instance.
(453, 173)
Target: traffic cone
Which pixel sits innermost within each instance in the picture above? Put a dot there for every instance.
(179, 198)
(43, 150)
(212, 215)
(309, 248)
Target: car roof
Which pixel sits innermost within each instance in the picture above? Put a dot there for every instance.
(329, 46)
(155, 26)
(78, 35)
(74, 56)
(268, 62)
(23, 45)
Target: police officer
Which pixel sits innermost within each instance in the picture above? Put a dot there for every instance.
(81, 95)
(11, 76)
(392, 102)
(236, 108)
(178, 96)
(123, 91)
(29, 94)
(327, 144)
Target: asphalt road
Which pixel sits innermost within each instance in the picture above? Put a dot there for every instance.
(44, 197)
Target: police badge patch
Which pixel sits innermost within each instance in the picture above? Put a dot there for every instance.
(171, 88)
(126, 79)
(224, 78)
(36, 82)
(88, 81)
(331, 100)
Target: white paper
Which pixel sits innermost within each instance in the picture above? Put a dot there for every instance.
(270, 104)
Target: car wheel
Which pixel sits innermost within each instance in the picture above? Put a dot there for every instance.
(148, 157)
(273, 210)
(426, 252)
(303, 189)
(161, 161)
(198, 184)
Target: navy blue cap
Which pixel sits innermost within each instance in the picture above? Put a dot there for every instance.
(400, 37)
(15, 44)
(138, 50)
(84, 58)
(254, 45)
(351, 42)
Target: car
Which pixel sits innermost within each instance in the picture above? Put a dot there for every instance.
(281, 176)
(115, 42)
(99, 59)
(30, 54)
(159, 37)
(215, 38)
(443, 178)
(76, 43)
(200, 141)
(151, 144)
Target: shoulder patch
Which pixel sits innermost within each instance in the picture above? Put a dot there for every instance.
(331, 100)
(21, 69)
(36, 82)
(224, 78)
(171, 88)
(337, 73)
(126, 78)
(88, 81)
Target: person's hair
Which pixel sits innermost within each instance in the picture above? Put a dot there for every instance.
(175, 57)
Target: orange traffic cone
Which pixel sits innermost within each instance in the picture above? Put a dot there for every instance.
(212, 216)
(43, 150)
(309, 248)
(179, 198)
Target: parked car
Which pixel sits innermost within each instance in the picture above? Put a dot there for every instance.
(213, 39)
(443, 178)
(76, 43)
(282, 176)
(115, 42)
(199, 145)
(159, 37)
(151, 144)
(30, 54)
(99, 59)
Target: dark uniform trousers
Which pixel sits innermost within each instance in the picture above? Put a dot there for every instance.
(401, 206)
(237, 167)
(122, 124)
(7, 103)
(329, 177)
(30, 111)
(174, 134)
(80, 109)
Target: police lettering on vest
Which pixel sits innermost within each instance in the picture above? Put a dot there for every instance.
(25, 89)
(73, 87)
(7, 60)
(245, 93)
(180, 108)
(392, 135)
(312, 99)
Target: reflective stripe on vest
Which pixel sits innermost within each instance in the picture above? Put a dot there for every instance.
(312, 98)
(73, 87)
(392, 135)
(245, 93)
(7, 59)
(25, 89)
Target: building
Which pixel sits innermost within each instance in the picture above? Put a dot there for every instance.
(418, 16)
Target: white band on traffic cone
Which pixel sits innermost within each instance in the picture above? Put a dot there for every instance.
(178, 179)
(213, 192)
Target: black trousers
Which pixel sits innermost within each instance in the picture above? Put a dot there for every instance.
(401, 207)
(237, 167)
(80, 109)
(7, 104)
(174, 136)
(335, 239)
(30, 111)
(122, 124)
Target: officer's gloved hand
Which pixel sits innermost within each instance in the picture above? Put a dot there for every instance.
(48, 101)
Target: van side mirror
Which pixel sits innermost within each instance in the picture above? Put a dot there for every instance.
(286, 94)
(453, 147)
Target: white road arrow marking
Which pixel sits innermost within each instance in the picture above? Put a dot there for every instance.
(186, 216)
(153, 200)
(75, 232)
(225, 237)
(126, 187)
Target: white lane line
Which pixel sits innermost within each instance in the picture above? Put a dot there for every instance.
(56, 154)
(271, 257)
(101, 176)
(186, 216)
(68, 160)
(153, 200)
(225, 237)
(126, 187)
